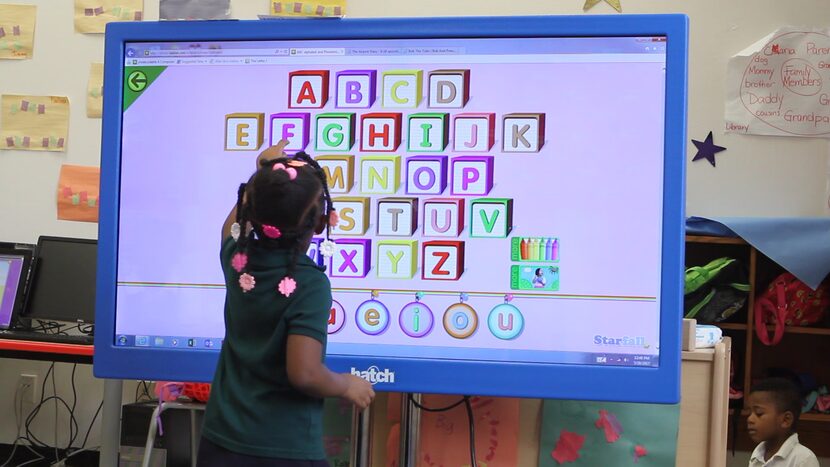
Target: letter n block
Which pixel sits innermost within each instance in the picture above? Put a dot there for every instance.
(380, 175)
(308, 89)
(443, 217)
(356, 89)
(426, 175)
(472, 175)
(339, 172)
(243, 131)
(354, 216)
(428, 132)
(449, 89)
(397, 259)
(314, 251)
(523, 132)
(491, 217)
(474, 132)
(291, 126)
(380, 132)
(352, 258)
(442, 260)
(402, 89)
(335, 132)
(397, 217)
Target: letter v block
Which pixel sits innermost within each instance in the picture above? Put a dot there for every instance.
(428, 132)
(449, 89)
(397, 259)
(356, 89)
(474, 132)
(291, 126)
(352, 258)
(426, 175)
(335, 132)
(339, 172)
(380, 175)
(354, 216)
(308, 89)
(523, 132)
(472, 175)
(443, 217)
(491, 217)
(243, 131)
(397, 217)
(442, 260)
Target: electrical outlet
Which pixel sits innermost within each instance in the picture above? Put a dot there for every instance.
(27, 385)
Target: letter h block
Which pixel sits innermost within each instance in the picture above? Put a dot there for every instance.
(472, 175)
(380, 175)
(352, 258)
(443, 217)
(339, 172)
(428, 132)
(491, 217)
(291, 126)
(426, 175)
(380, 132)
(308, 89)
(314, 251)
(356, 89)
(354, 215)
(449, 89)
(397, 259)
(243, 131)
(523, 132)
(474, 132)
(397, 217)
(335, 132)
(442, 260)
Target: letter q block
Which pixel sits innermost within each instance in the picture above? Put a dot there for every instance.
(472, 175)
(397, 217)
(308, 89)
(354, 216)
(491, 217)
(339, 172)
(356, 89)
(243, 131)
(442, 260)
(291, 126)
(523, 132)
(335, 132)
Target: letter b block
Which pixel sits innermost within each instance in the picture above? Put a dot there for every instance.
(428, 132)
(443, 217)
(354, 216)
(291, 126)
(426, 175)
(397, 217)
(491, 217)
(308, 89)
(380, 132)
(335, 132)
(380, 174)
(243, 131)
(442, 260)
(397, 259)
(352, 258)
(449, 89)
(339, 172)
(523, 132)
(472, 175)
(402, 89)
(356, 88)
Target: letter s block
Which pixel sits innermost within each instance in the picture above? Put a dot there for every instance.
(442, 260)
(474, 132)
(335, 132)
(352, 258)
(291, 126)
(397, 259)
(402, 89)
(472, 175)
(449, 89)
(339, 172)
(491, 217)
(356, 89)
(354, 216)
(443, 217)
(426, 175)
(428, 132)
(397, 217)
(308, 89)
(380, 175)
(523, 132)
(244, 131)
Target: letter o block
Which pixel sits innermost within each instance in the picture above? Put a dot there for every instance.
(426, 175)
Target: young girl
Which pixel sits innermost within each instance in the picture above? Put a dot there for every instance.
(266, 402)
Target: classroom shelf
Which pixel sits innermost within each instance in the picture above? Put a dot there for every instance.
(804, 330)
(715, 240)
(815, 417)
(732, 326)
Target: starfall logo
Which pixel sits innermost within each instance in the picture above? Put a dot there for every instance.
(624, 341)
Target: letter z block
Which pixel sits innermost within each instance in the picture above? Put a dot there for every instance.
(339, 172)
(291, 126)
(428, 132)
(352, 258)
(402, 89)
(523, 132)
(380, 132)
(491, 217)
(356, 89)
(397, 217)
(442, 260)
(472, 175)
(426, 175)
(335, 132)
(243, 131)
(308, 89)
(443, 217)
(397, 259)
(449, 89)
(354, 216)
(474, 132)
(380, 175)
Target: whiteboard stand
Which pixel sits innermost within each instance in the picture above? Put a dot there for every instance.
(110, 423)
(410, 427)
(361, 438)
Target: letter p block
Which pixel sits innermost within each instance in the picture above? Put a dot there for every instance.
(472, 175)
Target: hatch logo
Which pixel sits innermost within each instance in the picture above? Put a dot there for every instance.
(624, 341)
(375, 375)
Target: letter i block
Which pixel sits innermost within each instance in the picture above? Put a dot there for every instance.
(339, 172)
(308, 89)
(442, 260)
(397, 259)
(426, 175)
(491, 217)
(380, 175)
(380, 132)
(356, 89)
(449, 89)
(474, 132)
(314, 251)
(397, 217)
(335, 132)
(428, 132)
(354, 216)
(443, 217)
(472, 175)
(243, 131)
(523, 132)
(352, 258)
(402, 89)
(291, 126)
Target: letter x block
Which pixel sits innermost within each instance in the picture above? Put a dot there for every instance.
(352, 258)
(443, 217)
(335, 132)
(314, 251)
(380, 174)
(243, 131)
(356, 89)
(428, 132)
(291, 126)
(380, 132)
(442, 260)
(426, 175)
(339, 172)
(397, 217)
(474, 132)
(472, 175)
(397, 259)
(523, 132)
(354, 216)
(491, 217)
(449, 89)
(308, 89)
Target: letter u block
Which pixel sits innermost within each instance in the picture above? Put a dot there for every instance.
(308, 89)
(397, 217)
(428, 132)
(356, 89)
(523, 132)
(243, 131)
(339, 172)
(474, 132)
(426, 175)
(335, 132)
(402, 89)
(491, 217)
(291, 126)
(442, 260)
(449, 89)
(380, 132)
(354, 215)
(314, 251)
(380, 175)
(397, 259)
(443, 217)
(472, 175)
(352, 258)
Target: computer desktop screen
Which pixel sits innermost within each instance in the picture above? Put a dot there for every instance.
(14, 267)
(63, 285)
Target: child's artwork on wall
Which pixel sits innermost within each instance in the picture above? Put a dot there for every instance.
(95, 91)
(194, 9)
(92, 16)
(322, 8)
(617, 4)
(34, 123)
(17, 31)
(78, 189)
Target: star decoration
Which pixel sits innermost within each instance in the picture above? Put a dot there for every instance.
(707, 149)
(617, 4)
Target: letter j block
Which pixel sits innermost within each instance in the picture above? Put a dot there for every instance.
(356, 89)
(491, 217)
(397, 259)
(523, 132)
(442, 260)
(472, 175)
(352, 258)
(308, 89)
(243, 131)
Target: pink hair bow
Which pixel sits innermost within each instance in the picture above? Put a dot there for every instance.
(291, 171)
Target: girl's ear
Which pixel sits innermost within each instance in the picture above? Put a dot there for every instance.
(321, 224)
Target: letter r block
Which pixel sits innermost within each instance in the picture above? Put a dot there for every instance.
(352, 258)
(244, 131)
(428, 132)
(449, 89)
(523, 132)
(472, 175)
(397, 217)
(308, 89)
(335, 132)
(380, 175)
(491, 217)
(354, 216)
(474, 132)
(339, 172)
(356, 89)
(397, 259)
(402, 89)
(291, 126)
(442, 260)
(443, 217)
(380, 132)
(426, 175)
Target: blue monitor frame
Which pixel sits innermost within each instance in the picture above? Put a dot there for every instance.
(657, 385)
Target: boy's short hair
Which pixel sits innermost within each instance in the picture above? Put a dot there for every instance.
(785, 394)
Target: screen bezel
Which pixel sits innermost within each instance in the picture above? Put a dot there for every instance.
(636, 384)
(20, 294)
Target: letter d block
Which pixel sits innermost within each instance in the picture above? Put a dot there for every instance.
(314, 251)
(474, 132)
(380, 175)
(523, 132)
(443, 217)
(491, 217)
(428, 132)
(308, 89)
(291, 126)
(335, 132)
(354, 216)
(397, 259)
(402, 89)
(449, 89)
(472, 175)
(397, 217)
(339, 172)
(352, 258)
(442, 260)
(426, 175)
(243, 131)
(356, 89)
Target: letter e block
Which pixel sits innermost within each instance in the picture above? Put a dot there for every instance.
(352, 258)
(443, 217)
(380, 132)
(449, 89)
(474, 132)
(339, 172)
(472, 175)
(402, 89)
(354, 216)
(428, 132)
(426, 175)
(314, 251)
(397, 259)
(356, 89)
(397, 217)
(523, 132)
(243, 131)
(291, 126)
(380, 175)
(442, 260)
(491, 217)
(335, 132)
(308, 89)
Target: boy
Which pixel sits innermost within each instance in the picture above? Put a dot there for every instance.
(775, 405)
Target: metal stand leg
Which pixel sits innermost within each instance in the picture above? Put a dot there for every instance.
(361, 438)
(410, 427)
(151, 435)
(110, 423)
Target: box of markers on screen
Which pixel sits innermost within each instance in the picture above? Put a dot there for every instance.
(535, 249)
(534, 277)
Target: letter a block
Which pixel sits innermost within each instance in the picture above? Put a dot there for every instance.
(352, 258)
(523, 132)
(472, 175)
(354, 216)
(428, 132)
(380, 132)
(243, 131)
(449, 89)
(380, 175)
(291, 126)
(397, 259)
(308, 89)
(397, 217)
(339, 172)
(356, 89)
(426, 175)
(443, 217)
(442, 260)
(314, 251)
(335, 132)
(402, 89)
(474, 132)
(491, 217)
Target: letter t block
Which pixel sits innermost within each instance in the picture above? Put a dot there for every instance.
(397, 217)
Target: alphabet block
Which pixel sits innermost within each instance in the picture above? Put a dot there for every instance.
(356, 89)
(380, 174)
(352, 258)
(291, 126)
(335, 132)
(474, 132)
(397, 217)
(491, 217)
(402, 89)
(428, 132)
(380, 132)
(308, 89)
(449, 89)
(397, 259)
(472, 175)
(339, 172)
(354, 216)
(523, 132)
(426, 175)
(244, 131)
(442, 260)
(443, 217)
(314, 251)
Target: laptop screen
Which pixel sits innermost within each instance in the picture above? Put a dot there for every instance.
(12, 281)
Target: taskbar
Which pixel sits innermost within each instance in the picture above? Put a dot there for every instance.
(169, 342)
